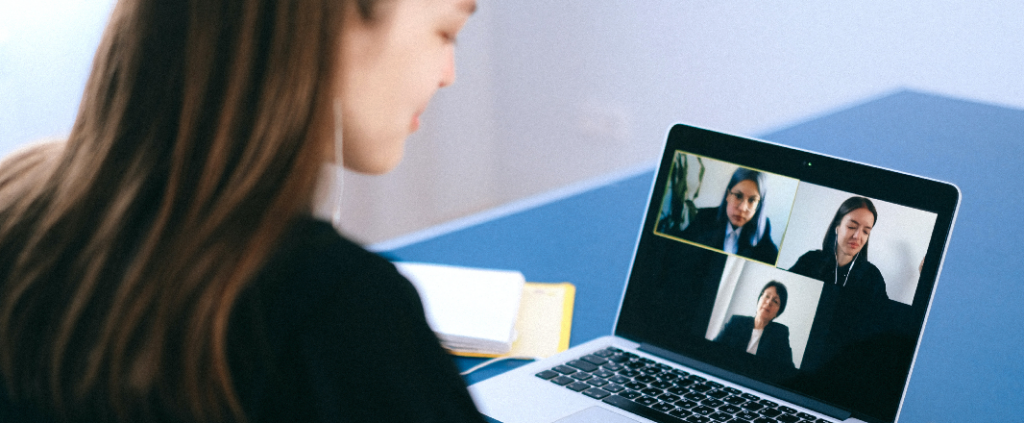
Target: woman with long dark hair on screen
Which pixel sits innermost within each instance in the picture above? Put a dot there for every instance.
(172, 261)
(843, 258)
(739, 225)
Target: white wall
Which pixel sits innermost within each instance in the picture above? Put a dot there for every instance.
(550, 93)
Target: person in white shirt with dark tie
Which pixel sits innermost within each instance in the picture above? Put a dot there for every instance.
(739, 225)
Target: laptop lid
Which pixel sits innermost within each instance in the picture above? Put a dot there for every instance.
(805, 276)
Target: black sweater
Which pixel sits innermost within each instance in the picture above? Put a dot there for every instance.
(344, 339)
(330, 332)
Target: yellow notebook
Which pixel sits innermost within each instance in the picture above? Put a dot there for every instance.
(544, 321)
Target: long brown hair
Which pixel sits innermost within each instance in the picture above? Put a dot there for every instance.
(197, 141)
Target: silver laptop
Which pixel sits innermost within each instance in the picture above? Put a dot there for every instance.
(768, 284)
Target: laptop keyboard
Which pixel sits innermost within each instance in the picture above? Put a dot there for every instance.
(665, 394)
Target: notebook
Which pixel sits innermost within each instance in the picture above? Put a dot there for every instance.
(768, 284)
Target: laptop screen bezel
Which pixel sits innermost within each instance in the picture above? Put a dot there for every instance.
(940, 198)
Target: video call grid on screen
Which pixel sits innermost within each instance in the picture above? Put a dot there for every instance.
(799, 214)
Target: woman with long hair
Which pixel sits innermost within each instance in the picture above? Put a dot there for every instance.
(843, 257)
(739, 225)
(171, 260)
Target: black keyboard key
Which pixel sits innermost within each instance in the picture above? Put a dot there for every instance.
(669, 376)
(680, 372)
(702, 388)
(631, 394)
(765, 420)
(595, 360)
(729, 408)
(697, 418)
(645, 379)
(753, 406)
(713, 384)
(713, 403)
(619, 358)
(684, 383)
(770, 412)
(635, 386)
(788, 418)
(687, 404)
(731, 390)
(720, 416)
(636, 365)
(678, 390)
(581, 376)
(750, 397)
(597, 382)
(613, 388)
(563, 380)
(583, 365)
(719, 394)
(746, 416)
(621, 380)
(663, 407)
(735, 400)
(680, 412)
(651, 392)
(669, 397)
(806, 416)
(612, 366)
(596, 393)
(547, 374)
(787, 410)
(604, 373)
(704, 411)
(605, 353)
(578, 386)
(648, 401)
(661, 384)
(768, 403)
(693, 396)
(629, 373)
(696, 378)
(640, 410)
(565, 370)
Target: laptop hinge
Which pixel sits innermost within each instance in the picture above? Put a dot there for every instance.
(812, 404)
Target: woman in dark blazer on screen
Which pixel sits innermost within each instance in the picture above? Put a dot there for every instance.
(739, 224)
(761, 335)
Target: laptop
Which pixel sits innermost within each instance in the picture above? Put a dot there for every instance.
(768, 284)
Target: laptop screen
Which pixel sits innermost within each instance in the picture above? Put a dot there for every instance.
(806, 273)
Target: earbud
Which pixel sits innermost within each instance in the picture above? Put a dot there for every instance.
(328, 195)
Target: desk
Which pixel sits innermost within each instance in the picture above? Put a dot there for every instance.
(970, 365)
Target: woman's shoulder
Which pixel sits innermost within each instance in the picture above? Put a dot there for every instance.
(738, 320)
(777, 327)
(815, 255)
(315, 266)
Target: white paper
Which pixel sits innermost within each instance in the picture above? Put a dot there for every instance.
(469, 309)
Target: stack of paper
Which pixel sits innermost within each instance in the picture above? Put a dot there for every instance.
(470, 310)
